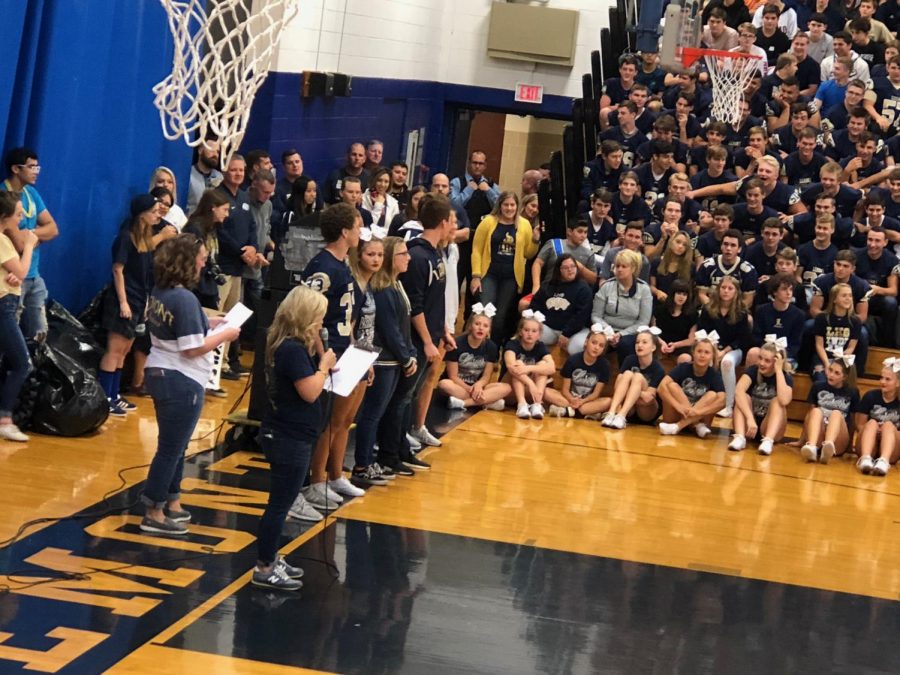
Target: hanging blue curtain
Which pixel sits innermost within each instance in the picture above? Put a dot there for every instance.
(76, 87)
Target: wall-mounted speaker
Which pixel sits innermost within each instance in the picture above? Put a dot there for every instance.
(326, 84)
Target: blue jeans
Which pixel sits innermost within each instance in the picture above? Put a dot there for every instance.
(392, 443)
(375, 402)
(33, 307)
(16, 363)
(178, 401)
(288, 464)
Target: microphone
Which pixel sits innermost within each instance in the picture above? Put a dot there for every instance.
(323, 337)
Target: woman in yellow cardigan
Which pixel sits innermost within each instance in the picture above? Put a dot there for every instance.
(503, 242)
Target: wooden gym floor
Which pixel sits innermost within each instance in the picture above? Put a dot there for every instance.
(553, 546)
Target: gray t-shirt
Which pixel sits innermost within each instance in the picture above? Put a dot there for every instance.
(556, 247)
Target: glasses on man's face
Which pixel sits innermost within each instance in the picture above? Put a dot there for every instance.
(31, 167)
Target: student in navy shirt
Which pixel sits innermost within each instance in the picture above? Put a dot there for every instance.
(727, 264)
(845, 197)
(583, 377)
(175, 375)
(565, 300)
(874, 218)
(603, 171)
(878, 266)
(836, 330)
(125, 303)
(634, 396)
(627, 204)
(877, 418)
(470, 367)
(762, 254)
(692, 393)
(816, 257)
(601, 228)
(528, 366)
(844, 267)
(828, 426)
(709, 243)
(291, 423)
(780, 318)
(763, 395)
(653, 176)
(801, 167)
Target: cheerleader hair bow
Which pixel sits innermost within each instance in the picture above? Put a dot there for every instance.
(653, 330)
(373, 232)
(531, 314)
(847, 359)
(711, 336)
(487, 310)
(772, 339)
(893, 363)
(600, 329)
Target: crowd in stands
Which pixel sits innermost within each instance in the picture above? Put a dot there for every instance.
(710, 262)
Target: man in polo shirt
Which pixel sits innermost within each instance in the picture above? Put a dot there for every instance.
(22, 171)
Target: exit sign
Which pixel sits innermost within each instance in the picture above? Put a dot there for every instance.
(529, 93)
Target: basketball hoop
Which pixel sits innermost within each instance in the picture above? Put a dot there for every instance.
(730, 73)
(220, 61)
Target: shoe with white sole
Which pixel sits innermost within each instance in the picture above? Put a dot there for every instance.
(810, 452)
(345, 488)
(11, 432)
(303, 510)
(702, 430)
(413, 442)
(881, 467)
(864, 464)
(557, 411)
(322, 497)
(607, 420)
(738, 443)
(667, 429)
(618, 422)
(454, 403)
(827, 452)
(425, 437)
(766, 446)
(537, 411)
(497, 405)
(726, 412)
(523, 412)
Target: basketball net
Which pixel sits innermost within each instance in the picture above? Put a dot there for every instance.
(729, 77)
(220, 61)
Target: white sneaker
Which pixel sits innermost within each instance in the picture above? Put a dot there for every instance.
(608, 420)
(702, 430)
(881, 467)
(413, 442)
(523, 411)
(738, 443)
(726, 412)
(864, 464)
(12, 433)
(454, 403)
(322, 497)
(557, 411)
(537, 411)
(618, 422)
(766, 446)
(425, 437)
(810, 453)
(667, 429)
(344, 487)
(498, 405)
(303, 510)
(827, 452)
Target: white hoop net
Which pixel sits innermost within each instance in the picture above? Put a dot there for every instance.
(729, 76)
(220, 61)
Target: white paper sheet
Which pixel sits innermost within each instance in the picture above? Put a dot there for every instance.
(235, 318)
(350, 369)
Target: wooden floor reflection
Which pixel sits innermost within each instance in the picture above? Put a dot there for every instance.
(572, 485)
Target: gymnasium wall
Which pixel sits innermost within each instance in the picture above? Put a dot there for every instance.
(76, 86)
(413, 63)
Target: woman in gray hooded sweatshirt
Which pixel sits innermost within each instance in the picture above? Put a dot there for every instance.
(624, 303)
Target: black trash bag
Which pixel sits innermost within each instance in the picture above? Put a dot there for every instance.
(69, 336)
(91, 317)
(60, 397)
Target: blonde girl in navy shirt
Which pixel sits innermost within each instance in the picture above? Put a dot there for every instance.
(634, 396)
(877, 418)
(584, 376)
(528, 366)
(829, 421)
(762, 397)
(693, 392)
(469, 367)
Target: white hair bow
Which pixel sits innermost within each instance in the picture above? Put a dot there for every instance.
(712, 337)
(373, 232)
(893, 363)
(607, 330)
(772, 339)
(653, 330)
(848, 359)
(531, 314)
(487, 310)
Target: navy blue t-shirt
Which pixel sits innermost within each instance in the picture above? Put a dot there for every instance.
(815, 262)
(654, 373)
(696, 386)
(835, 331)
(584, 377)
(873, 406)
(528, 357)
(826, 398)
(713, 270)
(875, 272)
(333, 279)
(286, 411)
(471, 361)
(763, 390)
(137, 269)
(503, 251)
